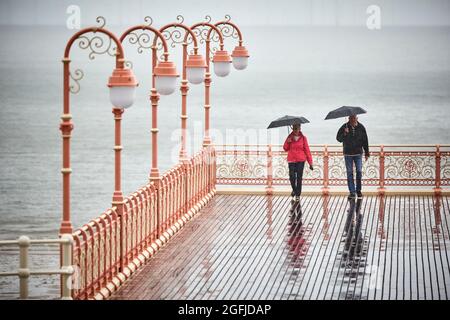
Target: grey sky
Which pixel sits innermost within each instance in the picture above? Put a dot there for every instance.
(263, 12)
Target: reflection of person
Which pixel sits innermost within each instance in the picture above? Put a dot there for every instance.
(352, 230)
(353, 135)
(296, 240)
(298, 151)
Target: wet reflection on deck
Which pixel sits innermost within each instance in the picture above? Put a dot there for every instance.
(323, 247)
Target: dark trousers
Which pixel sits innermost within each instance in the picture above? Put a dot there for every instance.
(296, 176)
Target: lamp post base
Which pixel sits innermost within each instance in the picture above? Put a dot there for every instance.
(183, 156)
(154, 178)
(117, 198)
(269, 191)
(207, 142)
(66, 227)
(154, 174)
(381, 191)
(437, 191)
(325, 191)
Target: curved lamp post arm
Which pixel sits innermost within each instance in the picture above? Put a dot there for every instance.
(158, 35)
(208, 38)
(66, 60)
(228, 22)
(187, 30)
(120, 52)
(155, 31)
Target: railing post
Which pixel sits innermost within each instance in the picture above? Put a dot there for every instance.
(186, 165)
(67, 267)
(437, 189)
(213, 155)
(24, 272)
(158, 198)
(269, 187)
(325, 189)
(381, 188)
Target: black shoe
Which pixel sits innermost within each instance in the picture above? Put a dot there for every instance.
(297, 198)
(351, 196)
(359, 194)
(292, 194)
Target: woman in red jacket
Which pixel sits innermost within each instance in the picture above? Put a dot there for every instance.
(298, 151)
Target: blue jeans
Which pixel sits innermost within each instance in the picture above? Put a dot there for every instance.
(349, 160)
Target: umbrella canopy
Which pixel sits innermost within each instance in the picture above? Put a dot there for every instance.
(287, 121)
(344, 111)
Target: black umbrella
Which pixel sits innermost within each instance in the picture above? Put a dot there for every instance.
(287, 121)
(344, 111)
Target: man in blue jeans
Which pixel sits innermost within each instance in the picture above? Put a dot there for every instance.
(353, 135)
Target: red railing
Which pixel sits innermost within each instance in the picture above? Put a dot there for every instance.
(389, 165)
(108, 247)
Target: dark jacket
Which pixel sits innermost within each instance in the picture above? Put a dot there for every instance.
(355, 141)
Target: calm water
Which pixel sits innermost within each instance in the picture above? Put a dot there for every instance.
(401, 75)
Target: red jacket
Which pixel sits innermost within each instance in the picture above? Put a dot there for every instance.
(298, 151)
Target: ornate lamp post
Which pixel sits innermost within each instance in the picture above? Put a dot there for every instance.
(164, 76)
(122, 86)
(194, 66)
(221, 61)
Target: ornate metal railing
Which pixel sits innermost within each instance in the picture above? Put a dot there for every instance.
(108, 248)
(388, 165)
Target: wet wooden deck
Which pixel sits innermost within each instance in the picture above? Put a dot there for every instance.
(261, 247)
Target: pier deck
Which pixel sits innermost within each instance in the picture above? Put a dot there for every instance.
(326, 247)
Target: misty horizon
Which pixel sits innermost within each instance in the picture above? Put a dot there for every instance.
(247, 13)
